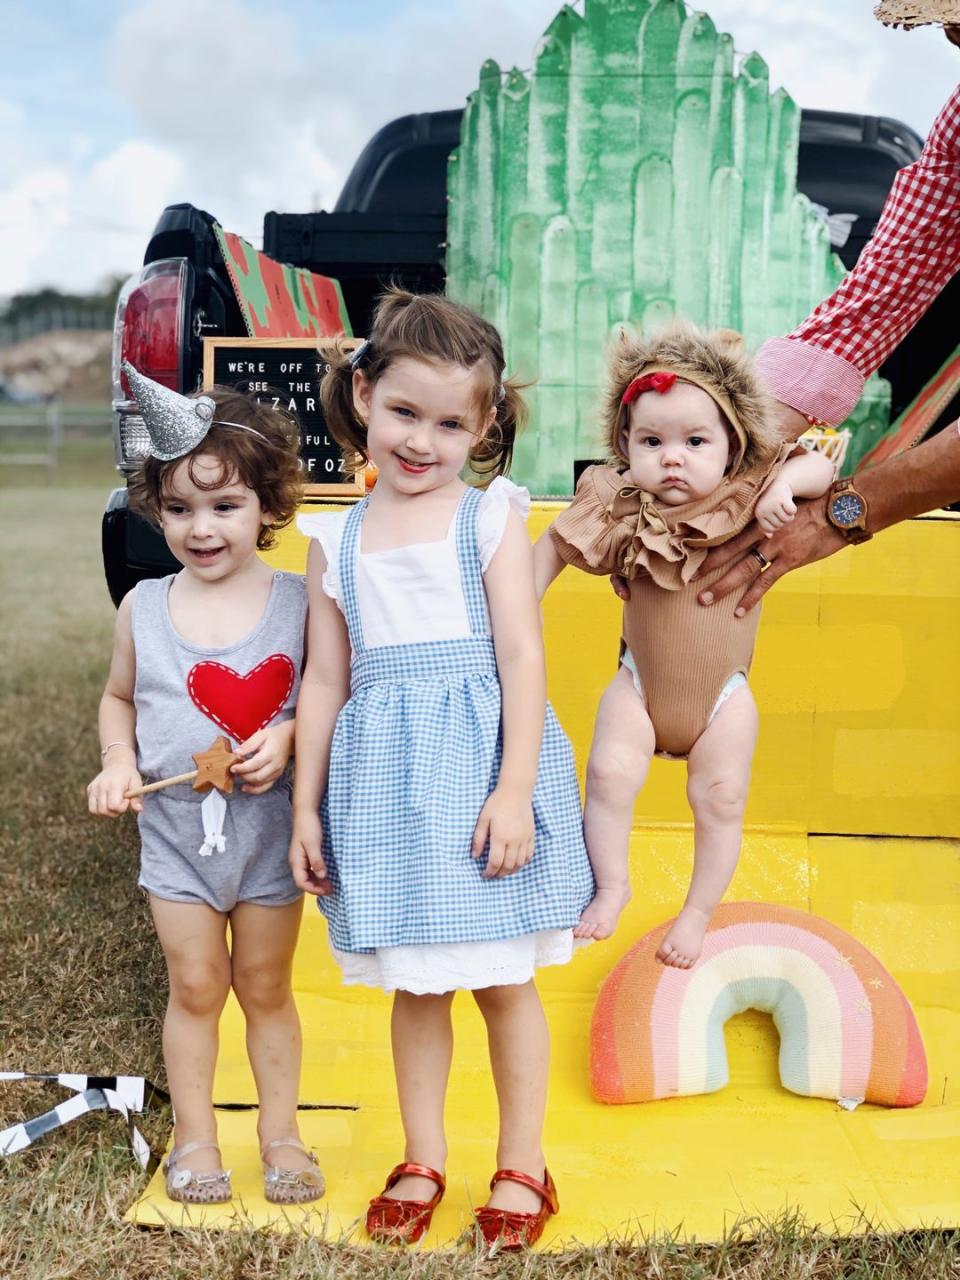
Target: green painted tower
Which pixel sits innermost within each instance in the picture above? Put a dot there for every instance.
(634, 174)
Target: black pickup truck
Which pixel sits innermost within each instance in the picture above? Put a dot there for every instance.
(183, 293)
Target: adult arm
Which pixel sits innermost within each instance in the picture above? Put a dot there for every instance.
(819, 369)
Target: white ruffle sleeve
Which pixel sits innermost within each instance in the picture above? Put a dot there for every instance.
(327, 528)
(498, 500)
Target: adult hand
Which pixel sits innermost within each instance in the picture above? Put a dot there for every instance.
(809, 537)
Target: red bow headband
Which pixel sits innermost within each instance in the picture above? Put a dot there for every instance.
(661, 382)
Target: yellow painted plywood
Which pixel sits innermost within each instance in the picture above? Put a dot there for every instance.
(856, 678)
(693, 1164)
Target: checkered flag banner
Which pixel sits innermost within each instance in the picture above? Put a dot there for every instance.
(124, 1094)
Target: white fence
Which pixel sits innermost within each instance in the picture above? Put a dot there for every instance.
(31, 434)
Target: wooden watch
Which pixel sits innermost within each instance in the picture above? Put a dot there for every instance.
(847, 511)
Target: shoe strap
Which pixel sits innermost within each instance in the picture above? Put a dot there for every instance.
(546, 1190)
(188, 1149)
(284, 1142)
(416, 1170)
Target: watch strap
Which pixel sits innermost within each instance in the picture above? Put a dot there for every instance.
(854, 534)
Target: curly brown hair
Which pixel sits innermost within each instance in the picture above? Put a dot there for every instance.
(717, 362)
(434, 328)
(269, 466)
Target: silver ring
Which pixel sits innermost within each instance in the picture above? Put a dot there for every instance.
(761, 559)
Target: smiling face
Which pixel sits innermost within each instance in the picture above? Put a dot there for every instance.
(212, 531)
(422, 422)
(678, 444)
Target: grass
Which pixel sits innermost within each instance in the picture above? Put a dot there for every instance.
(82, 463)
(83, 985)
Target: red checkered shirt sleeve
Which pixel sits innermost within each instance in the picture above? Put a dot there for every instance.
(820, 368)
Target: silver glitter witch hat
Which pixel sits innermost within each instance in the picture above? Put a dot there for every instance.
(176, 424)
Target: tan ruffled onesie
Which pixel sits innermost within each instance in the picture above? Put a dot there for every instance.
(684, 653)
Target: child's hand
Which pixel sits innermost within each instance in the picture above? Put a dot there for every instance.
(306, 859)
(106, 794)
(267, 752)
(776, 507)
(506, 820)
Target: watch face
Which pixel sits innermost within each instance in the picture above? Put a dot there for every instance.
(846, 510)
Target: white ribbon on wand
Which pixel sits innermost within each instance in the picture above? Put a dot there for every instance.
(213, 775)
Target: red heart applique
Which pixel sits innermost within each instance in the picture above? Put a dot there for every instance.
(242, 704)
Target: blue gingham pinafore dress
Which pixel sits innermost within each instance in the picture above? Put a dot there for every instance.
(415, 754)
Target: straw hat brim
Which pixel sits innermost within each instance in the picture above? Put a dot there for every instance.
(918, 13)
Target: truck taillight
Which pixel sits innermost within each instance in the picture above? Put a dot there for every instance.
(150, 330)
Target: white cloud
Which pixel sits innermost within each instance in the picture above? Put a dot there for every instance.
(833, 55)
(127, 183)
(234, 92)
(32, 211)
(235, 107)
(76, 226)
(267, 116)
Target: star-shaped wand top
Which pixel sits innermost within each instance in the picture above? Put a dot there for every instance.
(213, 767)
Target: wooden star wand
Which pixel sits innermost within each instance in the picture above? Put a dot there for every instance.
(213, 770)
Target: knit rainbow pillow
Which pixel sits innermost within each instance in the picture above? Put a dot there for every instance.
(846, 1029)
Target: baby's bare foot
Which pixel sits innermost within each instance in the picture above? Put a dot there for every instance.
(600, 918)
(683, 944)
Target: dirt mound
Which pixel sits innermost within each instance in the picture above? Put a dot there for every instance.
(73, 364)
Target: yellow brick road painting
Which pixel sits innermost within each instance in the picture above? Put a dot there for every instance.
(854, 816)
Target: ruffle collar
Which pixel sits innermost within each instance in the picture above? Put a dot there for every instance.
(671, 542)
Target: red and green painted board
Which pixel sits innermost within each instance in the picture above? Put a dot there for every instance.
(920, 414)
(279, 301)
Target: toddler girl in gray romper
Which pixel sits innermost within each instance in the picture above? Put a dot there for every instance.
(184, 696)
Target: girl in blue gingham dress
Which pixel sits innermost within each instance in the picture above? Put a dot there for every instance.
(446, 845)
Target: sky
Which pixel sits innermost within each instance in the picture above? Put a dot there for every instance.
(112, 109)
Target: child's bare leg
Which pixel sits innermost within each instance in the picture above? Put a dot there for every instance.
(717, 783)
(623, 743)
(422, 1049)
(193, 938)
(520, 1057)
(263, 943)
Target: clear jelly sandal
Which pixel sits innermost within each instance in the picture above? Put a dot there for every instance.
(186, 1187)
(291, 1186)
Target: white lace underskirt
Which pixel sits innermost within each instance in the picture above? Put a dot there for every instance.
(433, 968)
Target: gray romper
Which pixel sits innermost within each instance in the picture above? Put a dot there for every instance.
(185, 696)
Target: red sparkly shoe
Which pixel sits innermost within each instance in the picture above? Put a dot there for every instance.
(403, 1221)
(514, 1230)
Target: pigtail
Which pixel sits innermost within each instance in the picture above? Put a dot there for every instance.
(335, 375)
(493, 454)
